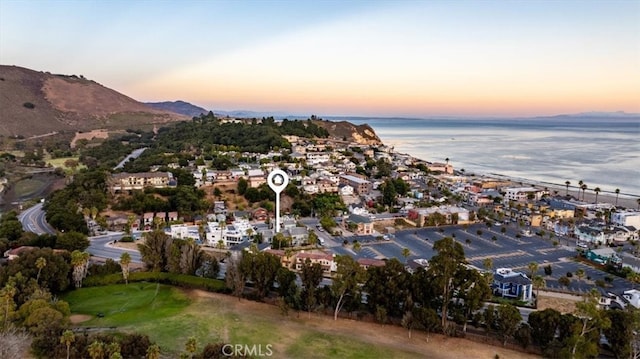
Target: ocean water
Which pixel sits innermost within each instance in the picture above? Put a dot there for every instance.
(602, 152)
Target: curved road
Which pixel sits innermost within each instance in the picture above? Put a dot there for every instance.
(33, 220)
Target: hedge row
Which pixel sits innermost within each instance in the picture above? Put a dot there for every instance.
(178, 280)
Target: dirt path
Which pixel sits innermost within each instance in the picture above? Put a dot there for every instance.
(432, 346)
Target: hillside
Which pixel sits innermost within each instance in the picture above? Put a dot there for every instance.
(35, 103)
(181, 107)
(343, 130)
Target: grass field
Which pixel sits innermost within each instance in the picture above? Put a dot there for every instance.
(59, 162)
(174, 315)
(28, 187)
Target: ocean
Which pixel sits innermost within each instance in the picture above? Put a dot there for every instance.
(602, 152)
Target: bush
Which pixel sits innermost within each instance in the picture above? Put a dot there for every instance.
(569, 274)
(126, 239)
(548, 270)
(29, 105)
(178, 280)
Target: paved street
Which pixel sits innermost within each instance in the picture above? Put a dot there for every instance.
(33, 220)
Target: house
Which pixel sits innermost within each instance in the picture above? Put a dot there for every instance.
(522, 194)
(626, 218)
(364, 225)
(256, 181)
(510, 284)
(603, 256)
(360, 185)
(370, 262)
(298, 235)
(260, 214)
(119, 182)
(632, 296)
(286, 258)
(325, 260)
(172, 216)
(345, 190)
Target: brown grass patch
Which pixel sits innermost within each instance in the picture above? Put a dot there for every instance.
(79, 318)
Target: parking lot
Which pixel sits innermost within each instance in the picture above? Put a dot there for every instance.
(505, 250)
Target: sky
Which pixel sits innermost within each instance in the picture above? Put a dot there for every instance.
(342, 58)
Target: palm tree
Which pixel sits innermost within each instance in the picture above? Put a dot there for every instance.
(67, 338)
(584, 188)
(406, 253)
(538, 282)
(447, 160)
(125, 260)
(567, 183)
(357, 246)
(96, 350)
(533, 268)
(487, 263)
(617, 194)
(153, 352)
(597, 190)
(580, 274)
(638, 201)
(41, 262)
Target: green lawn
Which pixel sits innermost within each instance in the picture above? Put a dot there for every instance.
(59, 162)
(27, 187)
(172, 316)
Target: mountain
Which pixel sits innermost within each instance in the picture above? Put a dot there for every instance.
(347, 131)
(36, 103)
(181, 107)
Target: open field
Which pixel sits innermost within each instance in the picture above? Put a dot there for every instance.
(28, 187)
(174, 315)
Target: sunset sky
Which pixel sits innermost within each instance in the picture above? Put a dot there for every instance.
(369, 58)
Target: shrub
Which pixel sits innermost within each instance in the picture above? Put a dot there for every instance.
(569, 274)
(126, 239)
(29, 105)
(548, 270)
(178, 280)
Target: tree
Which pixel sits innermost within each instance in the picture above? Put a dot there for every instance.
(348, 278)
(538, 282)
(388, 287)
(311, 276)
(623, 333)
(444, 267)
(508, 319)
(80, 263)
(261, 268)
(406, 253)
(96, 350)
(533, 268)
(597, 191)
(155, 250)
(191, 346)
(234, 277)
(72, 241)
(487, 263)
(472, 291)
(617, 191)
(581, 340)
(125, 260)
(41, 262)
(584, 188)
(580, 274)
(544, 324)
(153, 352)
(567, 183)
(564, 281)
(8, 303)
(67, 338)
(408, 321)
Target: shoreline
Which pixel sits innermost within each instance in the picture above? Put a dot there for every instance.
(626, 200)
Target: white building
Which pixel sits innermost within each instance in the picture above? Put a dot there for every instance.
(626, 218)
(183, 231)
(521, 194)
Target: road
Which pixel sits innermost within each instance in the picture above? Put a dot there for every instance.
(133, 155)
(101, 246)
(33, 220)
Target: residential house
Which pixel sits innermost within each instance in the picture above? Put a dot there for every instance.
(522, 194)
(626, 218)
(260, 214)
(370, 262)
(360, 185)
(603, 255)
(298, 235)
(119, 182)
(324, 259)
(364, 225)
(510, 284)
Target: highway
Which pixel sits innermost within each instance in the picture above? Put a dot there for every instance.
(33, 220)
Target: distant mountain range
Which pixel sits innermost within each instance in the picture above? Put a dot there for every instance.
(181, 107)
(34, 103)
